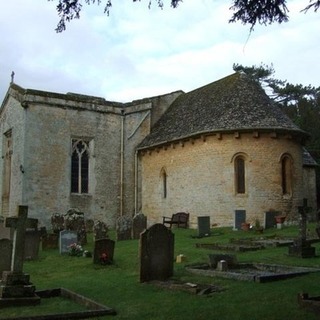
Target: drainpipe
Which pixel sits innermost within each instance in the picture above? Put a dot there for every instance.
(136, 182)
(121, 162)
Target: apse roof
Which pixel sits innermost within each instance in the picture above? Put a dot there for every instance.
(234, 103)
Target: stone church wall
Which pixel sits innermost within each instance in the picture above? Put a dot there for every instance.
(43, 125)
(48, 161)
(200, 178)
(12, 119)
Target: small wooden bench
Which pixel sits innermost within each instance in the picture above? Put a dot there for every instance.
(180, 219)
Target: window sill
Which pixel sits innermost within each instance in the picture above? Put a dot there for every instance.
(81, 195)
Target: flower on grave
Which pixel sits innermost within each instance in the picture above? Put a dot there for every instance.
(87, 254)
(75, 250)
(104, 258)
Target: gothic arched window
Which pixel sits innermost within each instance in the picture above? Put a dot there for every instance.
(80, 166)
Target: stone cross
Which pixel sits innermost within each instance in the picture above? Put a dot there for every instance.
(19, 224)
(303, 210)
(12, 76)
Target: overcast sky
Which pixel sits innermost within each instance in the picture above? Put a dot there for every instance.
(136, 52)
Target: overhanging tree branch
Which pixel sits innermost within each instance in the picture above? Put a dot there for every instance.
(246, 11)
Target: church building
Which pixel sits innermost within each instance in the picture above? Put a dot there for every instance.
(216, 151)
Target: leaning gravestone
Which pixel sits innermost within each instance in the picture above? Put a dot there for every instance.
(66, 239)
(156, 253)
(139, 224)
(15, 288)
(5, 254)
(103, 251)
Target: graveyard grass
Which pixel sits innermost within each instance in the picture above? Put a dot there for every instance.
(117, 286)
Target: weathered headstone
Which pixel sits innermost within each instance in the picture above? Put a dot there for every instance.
(66, 239)
(74, 221)
(32, 244)
(124, 227)
(15, 288)
(139, 224)
(57, 222)
(156, 253)
(204, 226)
(5, 255)
(103, 251)
(302, 247)
(89, 225)
(100, 230)
(50, 241)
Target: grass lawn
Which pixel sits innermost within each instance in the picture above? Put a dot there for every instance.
(117, 286)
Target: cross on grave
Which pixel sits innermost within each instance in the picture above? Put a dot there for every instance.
(301, 246)
(303, 211)
(19, 224)
(15, 287)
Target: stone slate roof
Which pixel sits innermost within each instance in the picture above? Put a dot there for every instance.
(307, 159)
(234, 103)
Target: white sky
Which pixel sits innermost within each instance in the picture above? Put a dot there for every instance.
(136, 52)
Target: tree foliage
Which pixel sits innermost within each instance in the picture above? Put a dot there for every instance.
(248, 12)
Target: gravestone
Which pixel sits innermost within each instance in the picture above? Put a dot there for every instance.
(74, 221)
(32, 244)
(103, 251)
(15, 288)
(269, 219)
(204, 226)
(66, 239)
(89, 225)
(301, 246)
(100, 230)
(124, 227)
(139, 224)
(156, 253)
(230, 259)
(239, 218)
(57, 222)
(5, 255)
(50, 241)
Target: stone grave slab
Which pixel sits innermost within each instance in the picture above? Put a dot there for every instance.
(103, 251)
(5, 255)
(66, 239)
(156, 253)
